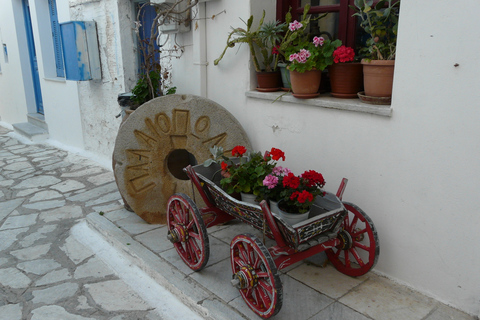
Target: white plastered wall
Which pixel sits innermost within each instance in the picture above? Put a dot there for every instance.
(415, 173)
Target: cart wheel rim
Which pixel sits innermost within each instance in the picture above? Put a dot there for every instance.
(359, 246)
(262, 288)
(187, 231)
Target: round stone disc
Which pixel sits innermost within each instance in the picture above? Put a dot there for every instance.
(162, 137)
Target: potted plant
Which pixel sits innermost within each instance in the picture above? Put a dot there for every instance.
(308, 56)
(380, 22)
(246, 177)
(346, 75)
(298, 195)
(260, 41)
(273, 187)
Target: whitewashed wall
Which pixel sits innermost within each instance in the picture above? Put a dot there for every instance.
(415, 173)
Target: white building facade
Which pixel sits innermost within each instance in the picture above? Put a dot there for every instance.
(412, 166)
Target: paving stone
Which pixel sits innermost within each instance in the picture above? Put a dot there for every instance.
(43, 205)
(156, 240)
(8, 206)
(135, 225)
(30, 239)
(379, 299)
(82, 173)
(217, 279)
(53, 277)
(93, 268)
(83, 303)
(39, 266)
(3, 261)
(26, 174)
(55, 312)
(31, 253)
(68, 185)
(444, 312)
(76, 251)
(19, 221)
(45, 195)
(53, 294)
(6, 183)
(109, 207)
(93, 193)
(8, 237)
(102, 178)
(326, 280)
(337, 311)
(111, 296)
(26, 192)
(43, 153)
(11, 312)
(18, 166)
(119, 214)
(106, 198)
(38, 181)
(66, 212)
(14, 278)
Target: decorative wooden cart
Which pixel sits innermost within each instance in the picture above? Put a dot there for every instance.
(341, 229)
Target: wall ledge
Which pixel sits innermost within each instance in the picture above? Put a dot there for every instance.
(324, 101)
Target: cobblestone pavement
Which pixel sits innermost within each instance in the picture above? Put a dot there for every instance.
(45, 271)
(69, 250)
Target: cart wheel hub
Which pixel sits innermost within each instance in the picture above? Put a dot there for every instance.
(346, 240)
(178, 234)
(245, 278)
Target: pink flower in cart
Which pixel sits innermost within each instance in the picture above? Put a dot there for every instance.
(295, 25)
(280, 171)
(318, 41)
(270, 181)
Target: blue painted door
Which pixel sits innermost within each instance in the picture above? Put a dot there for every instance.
(147, 16)
(33, 57)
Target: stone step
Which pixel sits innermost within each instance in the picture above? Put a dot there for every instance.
(31, 131)
(38, 120)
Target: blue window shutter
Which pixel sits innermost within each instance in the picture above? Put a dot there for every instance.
(57, 40)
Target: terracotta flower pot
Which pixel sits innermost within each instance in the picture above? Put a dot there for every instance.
(346, 79)
(305, 85)
(378, 77)
(269, 81)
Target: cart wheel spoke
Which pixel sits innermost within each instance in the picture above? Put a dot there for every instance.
(359, 244)
(262, 289)
(187, 231)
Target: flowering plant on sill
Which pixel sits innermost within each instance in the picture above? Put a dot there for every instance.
(248, 174)
(343, 54)
(299, 192)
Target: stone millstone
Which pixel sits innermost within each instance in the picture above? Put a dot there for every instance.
(162, 137)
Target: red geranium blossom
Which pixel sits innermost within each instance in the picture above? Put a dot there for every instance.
(224, 165)
(277, 154)
(291, 181)
(238, 151)
(313, 178)
(302, 196)
(343, 54)
(275, 50)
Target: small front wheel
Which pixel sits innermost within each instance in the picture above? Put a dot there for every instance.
(255, 275)
(359, 248)
(187, 231)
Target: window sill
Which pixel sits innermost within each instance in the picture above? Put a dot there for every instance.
(325, 101)
(54, 79)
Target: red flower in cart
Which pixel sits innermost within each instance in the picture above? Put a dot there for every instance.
(291, 181)
(224, 165)
(238, 151)
(277, 154)
(302, 196)
(313, 178)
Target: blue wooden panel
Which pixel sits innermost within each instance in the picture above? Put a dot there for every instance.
(75, 51)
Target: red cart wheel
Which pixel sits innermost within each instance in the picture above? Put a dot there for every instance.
(187, 231)
(255, 275)
(359, 248)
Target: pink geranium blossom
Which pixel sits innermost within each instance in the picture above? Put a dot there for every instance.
(280, 171)
(295, 25)
(318, 41)
(270, 181)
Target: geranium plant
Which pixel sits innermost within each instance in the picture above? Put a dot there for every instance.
(247, 175)
(312, 55)
(299, 192)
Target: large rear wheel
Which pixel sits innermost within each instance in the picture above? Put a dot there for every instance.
(359, 248)
(187, 231)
